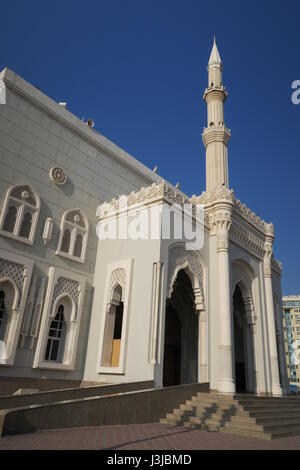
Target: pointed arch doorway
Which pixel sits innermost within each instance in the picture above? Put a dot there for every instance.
(181, 334)
(244, 345)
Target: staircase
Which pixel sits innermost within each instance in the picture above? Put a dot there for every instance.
(247, 415)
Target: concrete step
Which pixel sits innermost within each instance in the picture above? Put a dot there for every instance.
(234, 424)
(274, 421)
(253, 431)
(271, 408)
(263, 417)
(281, 427)
(269, 403)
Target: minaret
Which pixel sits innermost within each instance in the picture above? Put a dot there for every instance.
(216, 135)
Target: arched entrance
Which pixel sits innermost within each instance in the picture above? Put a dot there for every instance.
(181, 334)
(243, 345)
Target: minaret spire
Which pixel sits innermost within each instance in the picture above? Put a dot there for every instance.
(215, 136)
(214, 55)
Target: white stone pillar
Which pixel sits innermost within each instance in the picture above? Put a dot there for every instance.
(276, 387)
(226, 379)
(251, 322)
(202, 347)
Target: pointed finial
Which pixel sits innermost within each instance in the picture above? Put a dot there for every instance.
(215, 58)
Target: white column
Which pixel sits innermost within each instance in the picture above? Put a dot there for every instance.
(202, 347)
(226, 380)
(157, 285)
(251, 322)
(256, 387)
(276, 387)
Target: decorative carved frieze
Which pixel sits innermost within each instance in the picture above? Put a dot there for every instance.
(246, 239)
(252, 218)
(157, 191)
(223, 213)
(207, 198)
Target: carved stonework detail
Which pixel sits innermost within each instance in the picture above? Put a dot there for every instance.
(181, 258)
(247, 239)
(208, 198)
(58, 175)
(251, 217)
(118, 276)
(69, 287)
(157, 191)
(268, 254)
(14, 271)
(220, 223)
(24, 193)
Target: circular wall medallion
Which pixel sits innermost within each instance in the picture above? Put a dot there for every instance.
(58, 175)
(25, 195)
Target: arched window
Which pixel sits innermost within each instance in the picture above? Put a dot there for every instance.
(56, 338)
(113, 330)
(73, 235)
(10, 219)
(2, 314)
(7, 302)
(20, 213)
(78, 245)
(26, 225)
(65, 244)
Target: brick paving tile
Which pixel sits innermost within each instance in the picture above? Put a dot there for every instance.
(141, 436)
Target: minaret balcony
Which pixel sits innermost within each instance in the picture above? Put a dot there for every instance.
(216, 133)
(215, 93)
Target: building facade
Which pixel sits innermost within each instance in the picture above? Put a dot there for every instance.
(123, 309)
(291, 323)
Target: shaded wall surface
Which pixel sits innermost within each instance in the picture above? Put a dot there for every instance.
(126, 408)
(55, 396)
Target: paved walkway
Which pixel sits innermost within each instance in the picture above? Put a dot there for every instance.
(140, 436)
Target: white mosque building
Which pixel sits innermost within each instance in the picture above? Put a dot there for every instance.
(121, 309)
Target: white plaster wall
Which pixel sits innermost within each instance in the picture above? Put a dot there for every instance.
(35, 136)
(137, 364)
(144, 253)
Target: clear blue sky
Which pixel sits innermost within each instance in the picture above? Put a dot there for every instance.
(138, 68)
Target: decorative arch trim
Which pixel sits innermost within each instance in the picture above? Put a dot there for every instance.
(21, 224)
(243, 277)
(16, 300)
(15, 270)
(59, 300)
(62, 284)
(190, 262)
(118, 274)
(73, 237)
